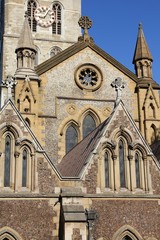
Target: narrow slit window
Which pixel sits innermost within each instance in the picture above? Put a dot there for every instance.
(7, 161)
(106, 159)
(137, 170)
(24, 168)
(122, 164)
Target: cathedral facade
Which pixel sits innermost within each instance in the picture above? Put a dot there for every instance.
(79, 131)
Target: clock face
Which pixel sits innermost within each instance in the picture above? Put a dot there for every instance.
(44, 16)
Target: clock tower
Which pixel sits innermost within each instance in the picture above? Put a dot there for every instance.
(54, 27)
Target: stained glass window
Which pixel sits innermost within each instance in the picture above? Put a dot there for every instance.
(88, 125)
(7, 161)
(71, 138)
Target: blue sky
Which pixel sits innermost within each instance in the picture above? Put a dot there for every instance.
(115, 28)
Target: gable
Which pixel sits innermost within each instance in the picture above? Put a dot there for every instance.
(120, 123)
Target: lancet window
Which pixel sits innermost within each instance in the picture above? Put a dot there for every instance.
(89, 125)
(122, 164)
(7, 161)
(57, 25)
(24, 168)
(125, 169)
(31, 7)
(71, 138)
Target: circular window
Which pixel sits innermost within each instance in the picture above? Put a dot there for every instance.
(88, 77)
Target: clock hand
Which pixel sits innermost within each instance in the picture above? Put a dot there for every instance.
(43, 16)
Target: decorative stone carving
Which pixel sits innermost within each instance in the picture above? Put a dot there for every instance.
(85, 23)
(16, 154)
(88, 77)
(118, 84)
(106, 111)
(71, 109)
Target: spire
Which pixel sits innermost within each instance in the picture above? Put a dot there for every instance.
(26, 53)
(26, 40)
(141, 50)
(142, 59)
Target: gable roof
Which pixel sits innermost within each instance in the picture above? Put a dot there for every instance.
(10, 105)
(74, 163)
(77, 47)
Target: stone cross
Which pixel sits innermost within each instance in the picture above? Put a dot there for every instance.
(85, 23)
(118, 85)
(9, 83)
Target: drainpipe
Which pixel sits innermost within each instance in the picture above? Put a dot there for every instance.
(91, 217)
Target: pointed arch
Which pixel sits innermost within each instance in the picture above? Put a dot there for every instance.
(89, 121)
(121, 153)
(126, 233)
(57, 24)
(31, 7)
(7, 233)
(7, 161)
(137, 170)
(153, 132)
(24, 167)
(151, 111)
(88, 125)
(71, 137)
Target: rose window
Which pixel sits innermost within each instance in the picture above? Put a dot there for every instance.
(88, 78)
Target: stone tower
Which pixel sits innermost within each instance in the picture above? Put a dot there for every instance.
(53, 24)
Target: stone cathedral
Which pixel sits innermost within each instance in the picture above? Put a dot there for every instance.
(79, 132)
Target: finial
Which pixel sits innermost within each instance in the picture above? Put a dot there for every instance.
(140, 25)
(85, 23)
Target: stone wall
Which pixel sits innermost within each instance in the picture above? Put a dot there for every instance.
(141, 215)
(31, 219)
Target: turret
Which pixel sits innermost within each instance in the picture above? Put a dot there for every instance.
(142, 59)
(26, 52)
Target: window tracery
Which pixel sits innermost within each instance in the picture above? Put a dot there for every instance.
(57, 25)
(55, 50)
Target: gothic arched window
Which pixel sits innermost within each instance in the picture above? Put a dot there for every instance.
(57, 25)
(24, 168)
(89, 125)
(122, 164)
(127, 238)
(71, 138)
(107, 170)
(7, 161)
(55, 50)
(137, 170)
(31, 7)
